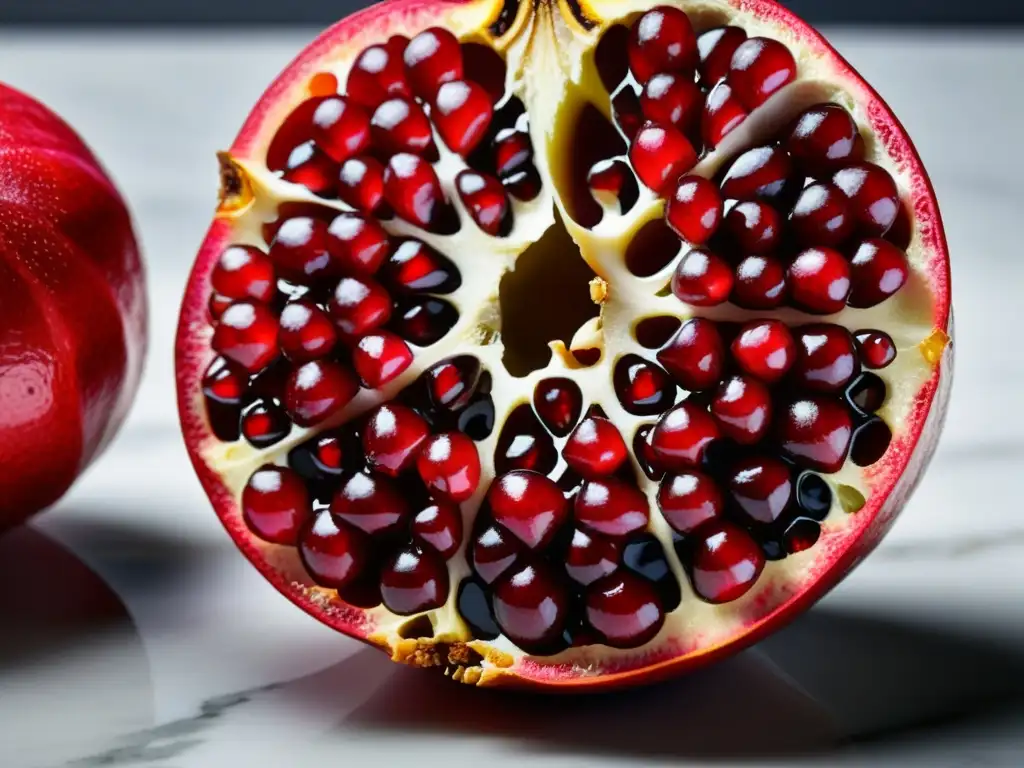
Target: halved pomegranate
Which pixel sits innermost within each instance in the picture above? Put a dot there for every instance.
(551, 443)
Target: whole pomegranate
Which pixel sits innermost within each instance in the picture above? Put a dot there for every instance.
(565, 345)
(73, 335)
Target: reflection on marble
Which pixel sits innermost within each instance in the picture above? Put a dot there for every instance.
(191, 660)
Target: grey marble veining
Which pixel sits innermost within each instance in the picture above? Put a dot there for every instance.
(191, 660)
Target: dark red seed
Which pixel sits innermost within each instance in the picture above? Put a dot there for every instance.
(224, 383)
(340, 128)
(439, 526)
(361, 184)
(432, 58)
(358, 306)
(874, 199)
(452, 382)
(449, 465)
(494, 552)
(612, 184)
(415, 267)
(529, 505)
(275, 504)
(823, 139)
(660, 154)
(672, 99)
(611, 507)
(742, 407)
(328, 455)
(866, 394)
(217, 305)
(878, 269)
(524, 444)
(484, 198)
(702, 279)
(296, 129)
(299, 250)
(763, 173)
(695, 355)
(247, 335)
(662, 40)
(244, 272)
(462, 113)
(877, 349)
(760, 283)
(524, 184)
(372, 504)
(802, 534)
(694, 210)
(378, 74)
(512, 151)
(688, 499)
(870, 442)
(413, 190)
(306, 332)
(334, 554)
(645, 454)
(590, 556)
(379, 357)
(754, 227)
(681, 437)
(765, 349)
(559, 403)
(821, 216)
(625, 609)
(595, 448)
(759, 68)
(264, 423)
(413, 580)
(644, 389)
(531, 606)
(715, 48)
(392, 438)
(819, 280)
(626, 111)
(400, 125)
(724, 562)
(309, 166)
(762, 487)
(317, 390)
(423, 320)
(826, 359)
(815, 432)
(723, 113)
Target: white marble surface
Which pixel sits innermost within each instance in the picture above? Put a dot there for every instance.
(190, 660)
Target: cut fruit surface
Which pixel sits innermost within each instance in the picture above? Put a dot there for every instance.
(579, 344)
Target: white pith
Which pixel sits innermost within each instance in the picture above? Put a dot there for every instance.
(550, 67)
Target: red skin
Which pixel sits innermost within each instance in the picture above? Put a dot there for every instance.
(893, 478)
(69, 366)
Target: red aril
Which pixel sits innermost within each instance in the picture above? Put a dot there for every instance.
(247, 335)
(359, 306)
(414, 580)
(625, 610)
(399, 125)
(760, 283)
(688, 499)
(759, 68)
(317, 390)
(874, 199)
(695, 355)
(276, 505)
(662, 40)
(595, 448)
(361, 184)
(412, 189)
(591, 556)
(439, 526)
(306, 332)
(485, 199)
(357, 246)
(877, 270)
(823, 139)
(610, 507)
(819, 280)
(702, 279)
(742, 408)
(672, 99)
(392, 438)
(244, 272)
(462, 115)
(716, 47)
(333, 553)
(723, 113)
(726, 562)
(432, 58)
(449, 465)
(765, 349)
(695, 209)
(660, 154)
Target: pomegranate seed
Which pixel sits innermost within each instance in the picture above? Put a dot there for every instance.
(823, 139)
(494, 552)
(415, 267)
(813, 495)
(323, 457)
(611, 507)
(660, 154)
(312, 168)
(877, 349)
(681, 437)
(372, 504)
(512, 151)
(247, 335)
(742, 408)
(378, 74)
(590, 556)
(626, 111)
(432, 59)
(595, 448)
(264, 423)
(625, 609)
(224, 382)
(244, 272)
(821, 216)
(334, 554)
(689, 499)
(317, 390)
(217, 305)
(759, 173)
(380, 357)
(645, 454)
(662, 40)
(870, 442)
(450, 466)
(612, 184)
(802, 534)
(523, 185)
(695, 355)
(759, 68)
(439, 526)
(451, 383)
(359, 305)
(361, 184)
(643, 388)
(725, 562)
(819, 280)
(715, 48)
(723, 113)
(559, 403)
(878, 269)
(816, 431)
(485, 199)
(523, 444)
(299, 250)
(530, 505)
(275, 504)
(826, 361)
(413, 580)
(340, 128)
(694, 210)
(672, 99)
(754, 226)
(761, 486)
(294, 130)
(874, 199)
(702, 279)
(412, 188)
(400, 125)
(765, 349)
(866, 394)
(424, 321)
(531, 606)
(760, 283)
(306, 332)
(393, 437)
(462, 114)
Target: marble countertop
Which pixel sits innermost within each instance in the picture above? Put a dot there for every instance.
(133, 634)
